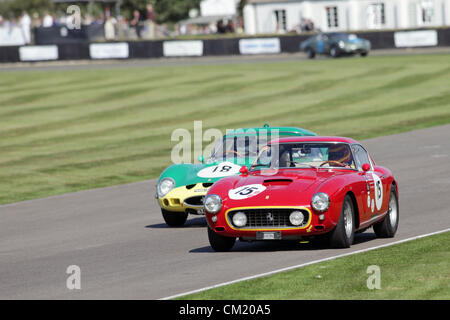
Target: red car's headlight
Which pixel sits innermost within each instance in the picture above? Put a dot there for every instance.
(320, 202)
(212, 203)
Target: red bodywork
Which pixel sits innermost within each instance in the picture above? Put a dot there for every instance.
(294, 188)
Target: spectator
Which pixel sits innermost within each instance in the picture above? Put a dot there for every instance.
(151, 25)
(47, 21)
(110, 31)
(36, 22)
(220, 27)
(240, 28)
(134, 23)
(88, 20)
(25, 27)
(230, 27)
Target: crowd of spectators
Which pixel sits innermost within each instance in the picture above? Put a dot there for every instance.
(142, 24)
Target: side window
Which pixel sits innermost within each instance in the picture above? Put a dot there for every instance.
(360, 155)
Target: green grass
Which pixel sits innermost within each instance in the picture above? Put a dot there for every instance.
(63, 131)
(418, 269)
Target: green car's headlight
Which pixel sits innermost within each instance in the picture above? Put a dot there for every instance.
(212, 203)
(320, 202)
(164, 186)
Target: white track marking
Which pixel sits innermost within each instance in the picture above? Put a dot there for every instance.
(304, 265)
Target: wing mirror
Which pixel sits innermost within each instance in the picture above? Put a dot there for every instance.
(243, 170)
(201, 159)
(366, 167)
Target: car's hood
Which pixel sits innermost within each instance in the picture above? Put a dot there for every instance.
(286, 187)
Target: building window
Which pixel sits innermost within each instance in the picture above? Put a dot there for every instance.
(376, 17)
(332, 17)
(280, 16)
(427, 11)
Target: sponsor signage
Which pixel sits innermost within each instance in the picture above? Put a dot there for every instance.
(38, 53)
(259, 46)
(109, 50)
(422, 38)
(183, 48)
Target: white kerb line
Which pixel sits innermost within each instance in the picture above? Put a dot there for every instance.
(303, 265)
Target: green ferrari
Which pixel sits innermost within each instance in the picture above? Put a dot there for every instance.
(181, 187)
(335, 45)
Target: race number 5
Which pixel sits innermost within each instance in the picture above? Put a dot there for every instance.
(377, 199)
(378, 191)
(246, 192)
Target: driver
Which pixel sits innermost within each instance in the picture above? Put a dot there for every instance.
(342, 154)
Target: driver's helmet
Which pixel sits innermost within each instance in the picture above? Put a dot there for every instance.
(340, 153)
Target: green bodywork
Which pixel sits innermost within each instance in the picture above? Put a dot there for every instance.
(188, 174)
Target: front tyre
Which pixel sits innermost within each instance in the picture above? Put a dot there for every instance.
(342, 236)
(364, 54)
(388, 227)
(334, 51)
(310, 53)
(174, 219)
(220, 243)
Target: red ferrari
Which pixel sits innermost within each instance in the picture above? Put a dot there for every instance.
(302, 187)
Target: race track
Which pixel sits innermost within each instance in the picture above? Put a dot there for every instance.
(189, 61)
(117, 237)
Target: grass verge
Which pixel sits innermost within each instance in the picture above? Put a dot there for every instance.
(63, 131)
(418, 269)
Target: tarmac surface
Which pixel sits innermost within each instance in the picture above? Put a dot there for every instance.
(118, 239)
(206, 60)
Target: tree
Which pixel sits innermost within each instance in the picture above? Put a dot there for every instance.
(14, 8)
(165, 10)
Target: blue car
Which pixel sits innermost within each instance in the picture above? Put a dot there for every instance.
(335, 45)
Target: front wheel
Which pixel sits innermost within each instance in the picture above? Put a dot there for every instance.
(174, 219)
(342, 236)
(310, 53)
(364, 54)
(388, 227)
(220, 243)
(334, 51)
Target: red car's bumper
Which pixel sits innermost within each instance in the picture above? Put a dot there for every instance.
(315, 223)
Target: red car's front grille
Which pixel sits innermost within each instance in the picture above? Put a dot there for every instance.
(268, 218)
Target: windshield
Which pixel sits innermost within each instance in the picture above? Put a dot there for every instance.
(242, 147)
(345, 36)
(302, 155)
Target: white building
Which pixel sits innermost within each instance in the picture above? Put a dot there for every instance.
(218, 7)
(272, 16)
(211, 11)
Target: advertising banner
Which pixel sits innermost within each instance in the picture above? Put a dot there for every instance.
(38, 53)
(422, 38)
(183, 48)
(109, 50)
(259, 46)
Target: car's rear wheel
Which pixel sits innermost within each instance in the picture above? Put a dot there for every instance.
(364, 54)
(174, 219)
(310, 53)
(334, 51)
(388, 227)
(342, 236)
(220, 243)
